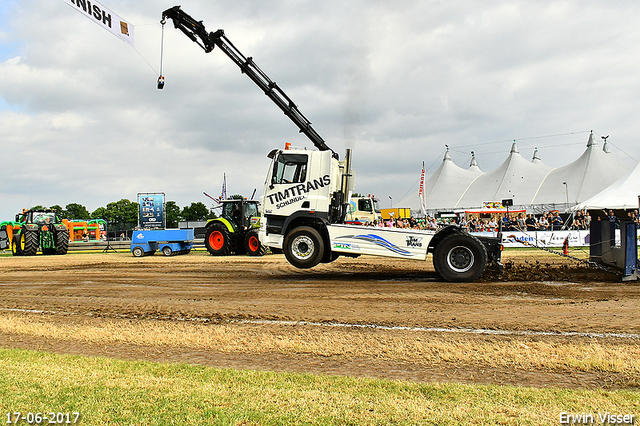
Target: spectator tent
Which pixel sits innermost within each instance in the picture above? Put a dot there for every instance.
(530, 184)
(622, 194)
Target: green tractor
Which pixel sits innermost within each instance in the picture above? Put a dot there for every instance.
(35, 230)
(236, 230)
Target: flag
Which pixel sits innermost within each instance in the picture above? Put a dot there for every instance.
(423, 206)
(223, 195)
(105, 18)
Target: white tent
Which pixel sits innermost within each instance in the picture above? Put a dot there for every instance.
(516, 179)
(446, 184)
(530, 184)
(582, 179)
(622, 194)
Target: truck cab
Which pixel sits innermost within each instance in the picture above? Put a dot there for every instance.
(301, 187)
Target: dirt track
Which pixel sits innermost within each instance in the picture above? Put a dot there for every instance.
(535, 294)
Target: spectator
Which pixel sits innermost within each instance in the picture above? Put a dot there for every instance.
(520, 223)
(613, 218)
(530, 223)
(543, 223)
(556, 222)
(493, 225)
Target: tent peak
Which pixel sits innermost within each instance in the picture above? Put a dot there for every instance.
(447, 156)
(591, 141)
(514, 148)
(536, 156)
(474, 162)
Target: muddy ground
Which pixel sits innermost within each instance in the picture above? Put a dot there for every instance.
(538, 292)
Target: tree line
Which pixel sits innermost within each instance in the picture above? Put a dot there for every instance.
(123, 214)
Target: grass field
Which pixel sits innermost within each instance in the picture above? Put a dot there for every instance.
(112, 392)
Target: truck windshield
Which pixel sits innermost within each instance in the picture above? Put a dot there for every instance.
(290, 168)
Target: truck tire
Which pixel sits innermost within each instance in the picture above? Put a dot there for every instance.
(30, 242)
(460, 258)
(253, 245)
(304, 247)
(62, 242)
(166, 250)
(216, 239)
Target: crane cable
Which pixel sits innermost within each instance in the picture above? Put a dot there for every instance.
(161, 77)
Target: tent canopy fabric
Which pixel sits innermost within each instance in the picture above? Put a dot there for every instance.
(529, 184)
(622, 194)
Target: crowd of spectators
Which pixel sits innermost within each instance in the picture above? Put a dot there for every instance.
(547, 221)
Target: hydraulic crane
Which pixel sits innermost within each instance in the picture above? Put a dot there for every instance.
(196, 31)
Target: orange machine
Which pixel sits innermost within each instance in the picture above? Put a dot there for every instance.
(82, 230)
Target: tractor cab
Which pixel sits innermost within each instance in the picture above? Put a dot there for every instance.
(240, 212)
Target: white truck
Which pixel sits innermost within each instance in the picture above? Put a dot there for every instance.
(306, 194)
(363, 210)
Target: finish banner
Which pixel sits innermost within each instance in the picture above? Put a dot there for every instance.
(104, 17)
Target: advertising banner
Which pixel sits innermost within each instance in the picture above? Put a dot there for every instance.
(545, 238)
(151, 215)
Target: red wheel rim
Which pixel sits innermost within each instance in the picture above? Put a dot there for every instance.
(254, 244)
(216, 240)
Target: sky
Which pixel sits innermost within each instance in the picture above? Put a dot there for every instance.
(81, 119)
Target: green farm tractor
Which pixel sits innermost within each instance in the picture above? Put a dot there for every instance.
(35, 230)
(236, 230)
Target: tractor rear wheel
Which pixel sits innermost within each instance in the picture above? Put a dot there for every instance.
(30, 247)
(253, 245)
(216, 239)
(62, 242)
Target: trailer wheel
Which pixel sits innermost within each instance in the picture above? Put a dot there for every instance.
(253, 245)
(137, 251)
(216, 239)
(166, 250)
(30, 246)
(460, 258)
(303, 247)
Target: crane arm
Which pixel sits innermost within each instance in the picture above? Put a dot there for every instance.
(196, 31)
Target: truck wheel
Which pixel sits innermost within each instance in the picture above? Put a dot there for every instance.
(303, 247)
(137, 251)
(166, 250)
(216, 239)
(460, 258)
(30, 247)
(253, 245)
(62, 242)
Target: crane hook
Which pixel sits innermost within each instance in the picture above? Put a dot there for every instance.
(161, 77)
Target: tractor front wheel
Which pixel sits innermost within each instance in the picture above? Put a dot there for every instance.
(216, 239)
(17, 245)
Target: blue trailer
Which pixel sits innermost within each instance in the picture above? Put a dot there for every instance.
(169, 241)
